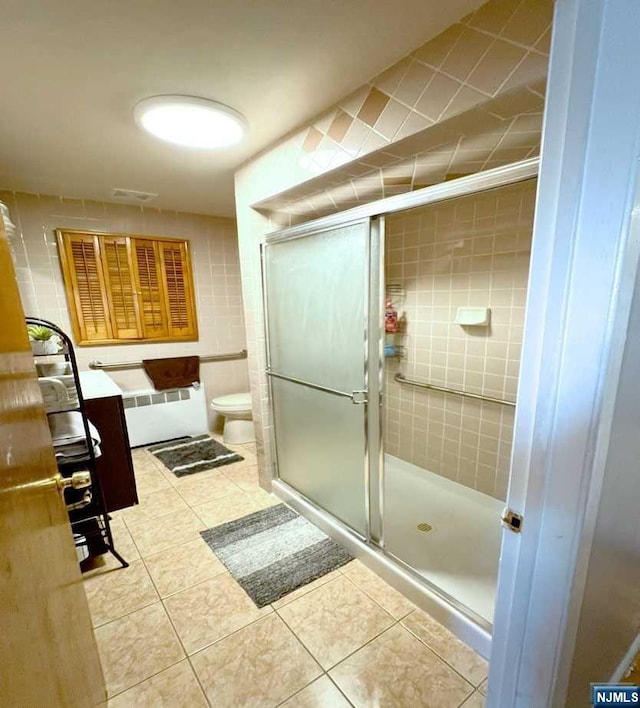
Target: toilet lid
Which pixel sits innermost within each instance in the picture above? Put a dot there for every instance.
(233, 401)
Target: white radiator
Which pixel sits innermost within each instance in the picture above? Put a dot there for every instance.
(153, 416)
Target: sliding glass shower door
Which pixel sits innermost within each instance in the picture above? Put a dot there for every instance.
(317, 298)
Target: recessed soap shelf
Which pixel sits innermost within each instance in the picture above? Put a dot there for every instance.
(473, 316)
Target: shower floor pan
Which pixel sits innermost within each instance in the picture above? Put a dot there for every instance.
(457, 557)
(459, 553)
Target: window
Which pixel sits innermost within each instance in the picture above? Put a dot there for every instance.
(127, 288)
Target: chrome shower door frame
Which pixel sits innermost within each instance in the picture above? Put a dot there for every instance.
(469, 626)
(369, 397)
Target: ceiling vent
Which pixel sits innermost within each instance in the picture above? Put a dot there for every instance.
(130, 195)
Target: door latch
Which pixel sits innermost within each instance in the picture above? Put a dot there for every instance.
(359, 397)
(512, 520)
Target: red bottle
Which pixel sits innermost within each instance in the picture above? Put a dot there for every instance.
(390, 317)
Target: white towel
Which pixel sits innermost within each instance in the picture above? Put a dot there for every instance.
(67, 433)
(67, 428)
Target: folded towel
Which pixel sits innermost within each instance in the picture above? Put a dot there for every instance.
(67, 431)
(174, 372)
(58, 393)
(75, 450)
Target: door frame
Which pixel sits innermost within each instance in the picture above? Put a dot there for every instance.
(581, 286)
(462, 186)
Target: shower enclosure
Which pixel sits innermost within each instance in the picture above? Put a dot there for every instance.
(405, 458)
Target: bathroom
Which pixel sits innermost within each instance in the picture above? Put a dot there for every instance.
(216, 273)
(367, 287)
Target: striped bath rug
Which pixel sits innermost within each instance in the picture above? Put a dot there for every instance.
(274, 551)
(188, 455)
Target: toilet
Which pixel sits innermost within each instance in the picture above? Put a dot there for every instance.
(236, 409)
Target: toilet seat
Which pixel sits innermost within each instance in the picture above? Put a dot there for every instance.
(232, 403)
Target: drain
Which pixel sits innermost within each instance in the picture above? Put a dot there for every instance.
(424, 527)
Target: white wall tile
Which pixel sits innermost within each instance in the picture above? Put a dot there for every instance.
(469, 441)
(217, 279)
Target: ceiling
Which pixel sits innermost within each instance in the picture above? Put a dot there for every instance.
(73, 71)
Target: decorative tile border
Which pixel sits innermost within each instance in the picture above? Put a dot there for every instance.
(496, 133)
(500, 48)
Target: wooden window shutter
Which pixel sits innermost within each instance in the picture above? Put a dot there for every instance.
(127, 288)
(120, 287)
(84, 283)
(180, 307)
(150, 288)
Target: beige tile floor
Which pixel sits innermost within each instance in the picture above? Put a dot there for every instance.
(176, 630)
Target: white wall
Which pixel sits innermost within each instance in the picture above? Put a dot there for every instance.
(610, 614)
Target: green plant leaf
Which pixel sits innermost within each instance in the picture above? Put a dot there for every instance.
(39, 333)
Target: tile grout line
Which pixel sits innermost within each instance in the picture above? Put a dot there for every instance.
(275, 611)
(190, 655)
(230, 634)
(435, 653)
(325, 672)
(339, 689)
(304, 594)
(515, 43)
(415, 607)
(167, 548)
(159, 600)
(126, 614)
(311, 656)
(176, 488)
(180, 642)
(317, 678)
(356, 650)
(396, 622)
(166, 612)
(157, 673)
(220, 639)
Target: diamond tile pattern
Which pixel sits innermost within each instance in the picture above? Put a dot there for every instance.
(500, 50)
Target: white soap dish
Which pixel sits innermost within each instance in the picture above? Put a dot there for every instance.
(473, 316)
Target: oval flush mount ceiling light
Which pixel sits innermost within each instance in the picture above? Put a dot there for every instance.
(190, 121)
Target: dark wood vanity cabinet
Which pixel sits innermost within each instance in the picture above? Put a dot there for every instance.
(114, 467)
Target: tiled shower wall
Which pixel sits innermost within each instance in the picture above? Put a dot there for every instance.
(501, 46)
(216, 271)
(471, 251)
(287, 166)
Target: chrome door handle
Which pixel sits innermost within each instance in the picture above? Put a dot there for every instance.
(359, 397)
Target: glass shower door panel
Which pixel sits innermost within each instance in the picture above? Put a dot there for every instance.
(316, 294)
(316, 303)
(321, 450)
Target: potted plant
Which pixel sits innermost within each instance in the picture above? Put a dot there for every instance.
(43, 340)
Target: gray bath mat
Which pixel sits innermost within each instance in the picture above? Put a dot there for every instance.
(188, 455)
(274, 551)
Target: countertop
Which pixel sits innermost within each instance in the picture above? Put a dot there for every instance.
(98, 384)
